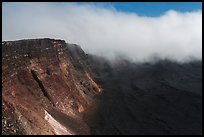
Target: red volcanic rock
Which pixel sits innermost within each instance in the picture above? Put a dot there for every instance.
(39, 76)
(51, 87)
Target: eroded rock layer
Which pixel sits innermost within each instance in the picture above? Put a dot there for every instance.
(51, 87)
(40, 80)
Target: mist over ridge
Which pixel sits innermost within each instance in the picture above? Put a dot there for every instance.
(104, 31)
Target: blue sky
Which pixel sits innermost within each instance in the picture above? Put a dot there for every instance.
(153, 8)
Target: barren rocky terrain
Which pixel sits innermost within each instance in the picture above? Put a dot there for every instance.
(53, 87)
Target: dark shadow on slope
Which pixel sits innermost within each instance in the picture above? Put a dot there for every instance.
(45, 93)
(160, 98)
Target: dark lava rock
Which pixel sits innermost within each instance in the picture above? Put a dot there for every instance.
(47, 74)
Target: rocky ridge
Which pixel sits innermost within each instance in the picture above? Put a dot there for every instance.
(39, 76)
(53, 87)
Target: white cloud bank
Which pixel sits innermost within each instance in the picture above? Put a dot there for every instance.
(106, 31)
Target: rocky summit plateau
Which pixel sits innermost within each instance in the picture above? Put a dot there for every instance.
(50, 87)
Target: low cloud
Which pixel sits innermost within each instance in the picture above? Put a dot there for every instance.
(104, 31)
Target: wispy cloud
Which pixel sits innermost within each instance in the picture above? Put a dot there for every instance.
(105, 31)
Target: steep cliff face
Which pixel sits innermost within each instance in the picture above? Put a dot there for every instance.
(41, 80)
(51, 87)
